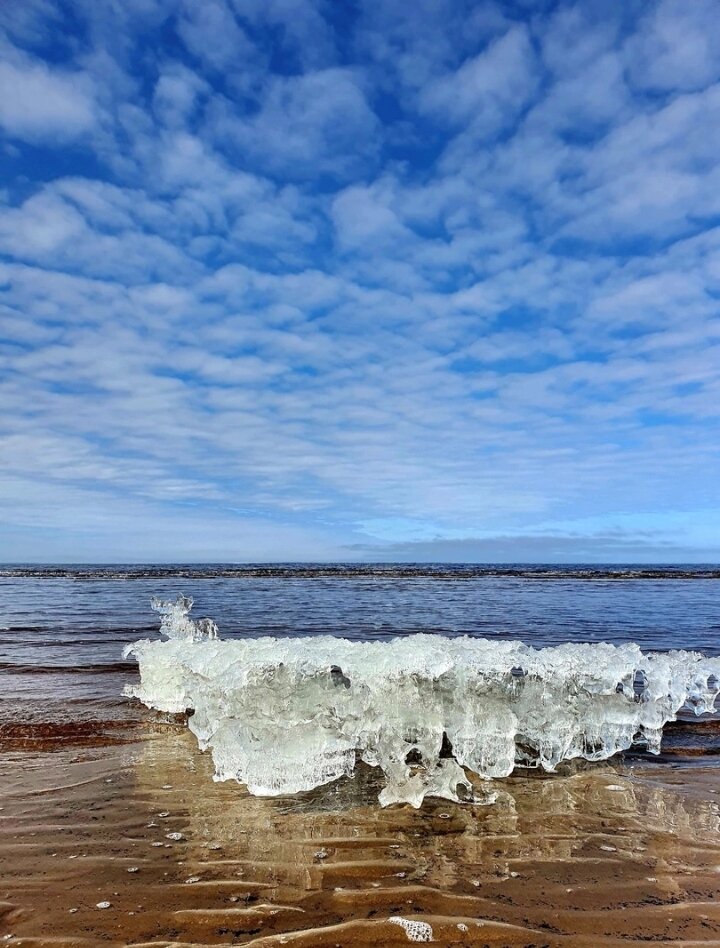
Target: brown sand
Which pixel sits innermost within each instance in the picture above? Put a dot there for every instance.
(605, 856)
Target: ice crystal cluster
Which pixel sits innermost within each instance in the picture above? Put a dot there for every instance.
(283, 715)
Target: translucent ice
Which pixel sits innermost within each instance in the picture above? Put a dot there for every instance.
(177, 624)
(286, 715)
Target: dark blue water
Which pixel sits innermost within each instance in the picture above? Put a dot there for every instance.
(62, 629)
(81, 617)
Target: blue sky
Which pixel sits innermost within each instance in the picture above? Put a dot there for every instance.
(294, 279)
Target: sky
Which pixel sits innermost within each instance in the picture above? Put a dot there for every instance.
(318, 280)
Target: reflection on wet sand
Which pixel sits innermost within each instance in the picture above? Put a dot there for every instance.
(605, 855)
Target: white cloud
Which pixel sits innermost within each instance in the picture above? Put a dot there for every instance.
(590, 98)
(29, 23)
(299, 28)
(212, 34)
(490, 89)
(317, 123)
(39, 103)
(176, 94)
(49, 229)
(576, 36)
(103, 528)
(44, 224)
(363, 219)
(676, 47)
(410, 46)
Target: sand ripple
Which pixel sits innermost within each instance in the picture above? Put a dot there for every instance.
(599, 857)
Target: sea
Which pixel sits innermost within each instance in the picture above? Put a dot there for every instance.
(63, 627)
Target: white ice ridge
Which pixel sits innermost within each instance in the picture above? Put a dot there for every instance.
(283, 715)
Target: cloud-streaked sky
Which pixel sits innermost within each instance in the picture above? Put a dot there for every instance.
(312, 279)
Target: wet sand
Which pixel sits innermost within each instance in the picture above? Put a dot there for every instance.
(626, 853)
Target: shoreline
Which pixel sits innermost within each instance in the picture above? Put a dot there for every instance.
(600, 572)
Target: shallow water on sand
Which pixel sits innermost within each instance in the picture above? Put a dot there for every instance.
(604, 855)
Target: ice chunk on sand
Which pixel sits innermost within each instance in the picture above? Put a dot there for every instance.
(415, 930)
(287, 715)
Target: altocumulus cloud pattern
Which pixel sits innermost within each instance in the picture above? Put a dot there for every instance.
(294, 279)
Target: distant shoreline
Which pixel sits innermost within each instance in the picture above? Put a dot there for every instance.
(442, 571)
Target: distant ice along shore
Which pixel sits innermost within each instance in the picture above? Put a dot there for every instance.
(284, 715)
(440, 571)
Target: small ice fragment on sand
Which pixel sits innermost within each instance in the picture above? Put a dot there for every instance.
(150, 825)
(192, 879)
(613, 786)
(164, 813)
(415, 931)
(174, 836)
(72, 911)
(321, 854)
(103, 905)
(462, 927)
(166, 786)
(156, 844)
(133, 869)
(608, 849)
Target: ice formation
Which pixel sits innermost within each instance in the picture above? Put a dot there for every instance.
(175, 621)
(287, 715)
(415, 930)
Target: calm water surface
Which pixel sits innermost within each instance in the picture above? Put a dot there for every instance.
(83, 617)
(62, 629)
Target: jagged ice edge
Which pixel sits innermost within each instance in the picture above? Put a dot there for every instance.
(286, 715)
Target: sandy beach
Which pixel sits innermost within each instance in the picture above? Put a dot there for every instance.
(128, 814)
